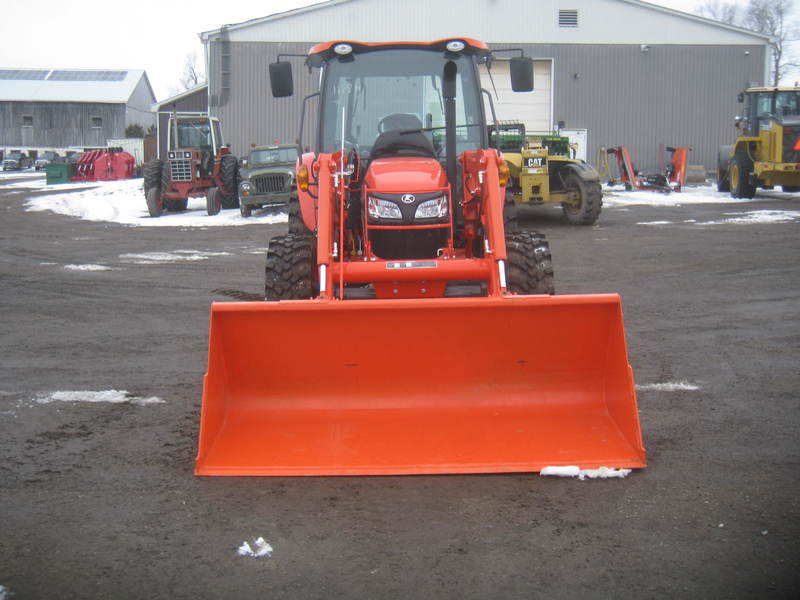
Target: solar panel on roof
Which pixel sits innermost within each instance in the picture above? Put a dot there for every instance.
(87, 76)
(23, 74)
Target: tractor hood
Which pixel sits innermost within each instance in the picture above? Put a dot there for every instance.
(405, 175)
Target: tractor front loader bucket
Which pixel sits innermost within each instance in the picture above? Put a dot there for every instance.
(455, 385)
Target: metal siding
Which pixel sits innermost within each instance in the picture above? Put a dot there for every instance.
(671, 95)
(599, 22)
(252, 115)
(60, 124)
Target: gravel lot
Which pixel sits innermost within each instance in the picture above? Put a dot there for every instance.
(98, 500)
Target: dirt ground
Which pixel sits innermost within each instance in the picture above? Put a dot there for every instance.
(99, 500)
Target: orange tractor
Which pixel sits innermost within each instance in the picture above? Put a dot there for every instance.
(198, 164)
(404, 330)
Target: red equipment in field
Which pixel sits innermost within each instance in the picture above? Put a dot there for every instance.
(371, 359)
(106, 164)
(671, 180)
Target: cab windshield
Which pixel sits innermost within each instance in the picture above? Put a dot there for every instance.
(193, 133)
(272, 156)
(366, 94)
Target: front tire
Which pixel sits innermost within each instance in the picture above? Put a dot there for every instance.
(245, 209)
(590, 200)
(290, 271)
(529, 265)
(229, 175)
(296, 223)
(213, 203)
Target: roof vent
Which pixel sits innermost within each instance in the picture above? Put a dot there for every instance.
(568, 18)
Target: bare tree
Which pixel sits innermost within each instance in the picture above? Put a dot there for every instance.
(724, 12)
(193, 74)
(770, 17)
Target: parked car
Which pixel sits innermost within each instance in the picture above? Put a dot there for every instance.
(266, 177)
(47, 158)
(17, 161)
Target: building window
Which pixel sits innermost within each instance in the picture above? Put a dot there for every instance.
(27, 121)
(568, 18)
(97, 122)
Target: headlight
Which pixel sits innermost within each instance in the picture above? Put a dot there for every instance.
(432, 209)
(245, 185)
(171, 155)
(383, 209)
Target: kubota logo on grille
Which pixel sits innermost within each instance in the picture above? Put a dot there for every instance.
(407, 198)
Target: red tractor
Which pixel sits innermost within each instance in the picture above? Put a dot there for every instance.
(405, 330)
(198, 164)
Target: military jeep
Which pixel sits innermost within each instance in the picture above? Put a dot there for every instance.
(266, 177)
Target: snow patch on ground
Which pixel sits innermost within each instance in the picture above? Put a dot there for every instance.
(111, 396)
(614, 196)
(573, 471)
(672, 386)
(158, 258)
(757, 216)
(262, 548)
(123, 202)
(5, 593)
(87, 267)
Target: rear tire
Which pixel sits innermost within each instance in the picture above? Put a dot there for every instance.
(153, 174)
(591, 200)
(723, 169)
(155, 206)
(740, 170)
(229, 175)
(291, 266)
(529, 265)
(296, 223)
(213, 204)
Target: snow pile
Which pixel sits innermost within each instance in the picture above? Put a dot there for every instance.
(27, 173)
(156, 258)
(262, 548)
(112, 396)
(123, 202)
(672, 386)
(87, 268)
(705, 194)
(5, 593)
(573, 471)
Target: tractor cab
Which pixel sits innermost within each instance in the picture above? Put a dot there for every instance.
(194, 134)
(765, 105)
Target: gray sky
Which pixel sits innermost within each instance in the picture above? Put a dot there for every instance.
(147, 34)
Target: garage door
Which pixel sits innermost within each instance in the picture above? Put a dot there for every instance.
(532, 108)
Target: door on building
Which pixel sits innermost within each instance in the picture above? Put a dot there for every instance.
(578, 137)
(532, 108)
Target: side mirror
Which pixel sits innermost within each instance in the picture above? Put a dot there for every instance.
(280, 79)
(522, 74)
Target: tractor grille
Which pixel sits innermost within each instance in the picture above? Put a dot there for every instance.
(180, 170)
(266, 184)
